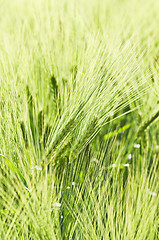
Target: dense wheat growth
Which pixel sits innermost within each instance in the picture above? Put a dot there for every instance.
(79, 120)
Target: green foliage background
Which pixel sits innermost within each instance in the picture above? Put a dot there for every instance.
(79, 143)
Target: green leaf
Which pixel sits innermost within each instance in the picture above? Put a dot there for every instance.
(14, 169)
(114, 133)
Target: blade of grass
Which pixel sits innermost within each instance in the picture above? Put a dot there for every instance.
(14, 169)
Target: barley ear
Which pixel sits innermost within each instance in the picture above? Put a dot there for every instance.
(24, 133)
(142, 132)
(40, 123)
(54, 87)
(31, 110)
(46, 135)
(147, 123)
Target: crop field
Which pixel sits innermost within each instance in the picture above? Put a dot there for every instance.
(79, 120)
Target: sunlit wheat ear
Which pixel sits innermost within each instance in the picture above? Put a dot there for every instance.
(61, 136)
(86, 136)
(34, 133)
